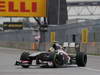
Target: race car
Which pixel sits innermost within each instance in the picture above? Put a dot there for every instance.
(51, 59)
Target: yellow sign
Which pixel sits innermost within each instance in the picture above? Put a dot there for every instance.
(52, 36)
(12, 25)
(23, 8)
(85, 35)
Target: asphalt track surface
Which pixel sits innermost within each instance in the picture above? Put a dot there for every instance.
(9, 56)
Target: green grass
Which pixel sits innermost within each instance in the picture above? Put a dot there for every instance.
(8, 46)
(94, 54)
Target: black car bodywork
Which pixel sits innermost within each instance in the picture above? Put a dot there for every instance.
(51, 59)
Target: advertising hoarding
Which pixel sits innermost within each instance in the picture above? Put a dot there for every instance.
(23, 8)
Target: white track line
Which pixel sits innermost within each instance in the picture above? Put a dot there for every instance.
(91, 69)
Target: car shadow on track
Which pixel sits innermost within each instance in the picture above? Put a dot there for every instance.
(37, 67)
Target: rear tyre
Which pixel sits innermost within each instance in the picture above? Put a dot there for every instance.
(81, 59)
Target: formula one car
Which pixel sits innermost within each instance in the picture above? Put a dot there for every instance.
(51, 59)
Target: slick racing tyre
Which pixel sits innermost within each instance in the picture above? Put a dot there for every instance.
(58, 60)
(24, 56)
(25, 66)
(81, 59)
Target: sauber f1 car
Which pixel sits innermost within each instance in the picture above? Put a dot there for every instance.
(51, 59)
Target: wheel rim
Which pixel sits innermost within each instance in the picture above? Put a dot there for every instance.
(58, 59)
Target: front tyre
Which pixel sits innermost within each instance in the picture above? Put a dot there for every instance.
(24, 56)
(25, 66)
(58, 60)
(81, 59)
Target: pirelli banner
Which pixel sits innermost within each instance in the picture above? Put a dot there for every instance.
(23, 8)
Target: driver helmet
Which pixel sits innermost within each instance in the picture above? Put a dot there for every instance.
(56, 45)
